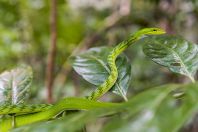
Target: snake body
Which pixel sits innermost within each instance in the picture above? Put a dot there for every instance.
(107, 85)
(46, 112)
(64, 104)
(23, 108)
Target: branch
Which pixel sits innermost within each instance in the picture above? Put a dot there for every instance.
(51, 52)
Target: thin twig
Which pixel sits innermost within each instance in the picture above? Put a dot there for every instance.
(51, 52)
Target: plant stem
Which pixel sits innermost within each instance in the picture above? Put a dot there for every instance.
(51, 52)
(121, 92)
(192, 79)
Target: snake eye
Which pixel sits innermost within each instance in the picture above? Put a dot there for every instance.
(154, 30)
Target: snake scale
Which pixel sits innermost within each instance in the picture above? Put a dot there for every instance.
(25, 114)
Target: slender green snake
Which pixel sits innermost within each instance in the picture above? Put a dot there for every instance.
(102, 89)
(25, 114)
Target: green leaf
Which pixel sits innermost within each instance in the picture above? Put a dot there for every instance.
(174, 52)
(92, 66)
(14, 85)
(161, 113)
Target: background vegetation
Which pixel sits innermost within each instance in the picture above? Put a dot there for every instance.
(81, 24)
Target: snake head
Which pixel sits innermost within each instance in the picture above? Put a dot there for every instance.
(153, 31)
(150, 31)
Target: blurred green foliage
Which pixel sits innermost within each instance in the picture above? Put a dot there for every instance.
(25, 36)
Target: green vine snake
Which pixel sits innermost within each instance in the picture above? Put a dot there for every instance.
(25, 113)
(103, 88)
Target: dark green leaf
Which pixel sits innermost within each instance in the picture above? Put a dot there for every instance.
(161, 113)
(174, 52)
(92, 66)
(14, 85)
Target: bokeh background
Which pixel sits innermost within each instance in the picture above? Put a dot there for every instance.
(81, 24)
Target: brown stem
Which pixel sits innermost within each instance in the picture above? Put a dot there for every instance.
(52, 51)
